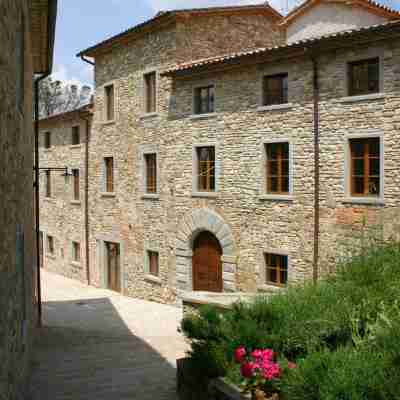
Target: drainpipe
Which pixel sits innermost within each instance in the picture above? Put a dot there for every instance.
(87, 199)
(36, 186)
(316, 95)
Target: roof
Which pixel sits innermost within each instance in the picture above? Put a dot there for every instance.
(165, 18)
(322, 43)
(86, 109)
(43, 15)
(372, 6)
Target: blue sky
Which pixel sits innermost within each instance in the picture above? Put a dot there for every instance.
(82, 23)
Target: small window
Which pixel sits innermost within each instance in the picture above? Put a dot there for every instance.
(50, 245)
(153, 263)
(150, 92)
(47, 140)
(206, 168)
(275, 89)
(76, 135)
(109, 174)
(277, 168)
(109, 102)
(204, 100)
(76, 252)
(276, 269)
(75, 176)
(47, 183)
(365, 171)
(151, 172)
(364, 77)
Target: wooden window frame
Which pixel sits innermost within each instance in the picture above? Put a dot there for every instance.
(197, 99)
(279, 268)
(109, 184)
(76, 134)
(284, 92)
(48, 188)
(151, 173)
(109, 106)
(47, 140)
(76, 184)
(279, 176)
(150, 265)
(76, 252)
(350, 77)
(209, 166)
(150, 92)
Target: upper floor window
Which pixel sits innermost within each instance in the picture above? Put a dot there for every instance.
(151, 172)
(150, 92)
(76, 135)
(153, 263)
(47, 140)
(206, 168)
(47, 183)
(275, 89)
(109, 174)
(365, 172)
(109, 102)
(75, 175)
(364, 77)
(276, 269)
(277, 168)
(76, 252)
(204, 99)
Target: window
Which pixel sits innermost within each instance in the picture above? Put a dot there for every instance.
(76, 135)
(50, 245)
(150, 92)
(47, 140)
(76, 252)
(153, 263)
(365, 171)
(364, 77)
(109, 102)
(75, 176)
(151, 172)
(276, 269)
(206, 168)
(277, 168)
(275, 90)
(48, 183)
(204, 100)
(109, 174)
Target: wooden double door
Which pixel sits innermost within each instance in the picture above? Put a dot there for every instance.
(206, 263)
(113, 266)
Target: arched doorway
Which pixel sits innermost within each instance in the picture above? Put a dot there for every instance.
(206, 262)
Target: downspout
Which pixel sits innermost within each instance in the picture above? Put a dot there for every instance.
(87, 200)
(36, 185)
(316, 96)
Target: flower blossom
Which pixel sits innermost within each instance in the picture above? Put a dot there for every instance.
(247, 369)
(240, 354)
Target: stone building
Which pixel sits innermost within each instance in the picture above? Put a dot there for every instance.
(232, 149)
(27, 36)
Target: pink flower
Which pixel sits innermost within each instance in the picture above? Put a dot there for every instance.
(291, 365)
(247, 369)
(240, 354)
(271, 371)
(268, 354)
(257, 353)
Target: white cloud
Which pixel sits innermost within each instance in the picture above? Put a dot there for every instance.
(64, 74)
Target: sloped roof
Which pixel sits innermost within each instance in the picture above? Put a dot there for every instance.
(324, 43)
(84, 110)
(167, 17)
(370, 5)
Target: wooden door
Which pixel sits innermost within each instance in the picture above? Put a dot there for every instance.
(207, 267)
(113, 266)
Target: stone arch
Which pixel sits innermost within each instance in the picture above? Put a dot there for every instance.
(192, 224)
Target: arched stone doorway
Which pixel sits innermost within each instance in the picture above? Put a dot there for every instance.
(193, 224)
(206, 263)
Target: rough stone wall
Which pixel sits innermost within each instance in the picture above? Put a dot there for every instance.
(17, 260)
(61, 216)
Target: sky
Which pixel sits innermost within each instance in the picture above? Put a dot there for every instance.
(83, 23)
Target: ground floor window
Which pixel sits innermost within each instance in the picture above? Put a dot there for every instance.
(153, 263)
(276, 269)
(76, 252)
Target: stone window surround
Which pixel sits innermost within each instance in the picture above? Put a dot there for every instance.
(101, 258)
(73, 201)
(145, 114)
(74, 146)
(191, 225)
(143, 150)
(348, 198)
(104, 121)
(103, 192)
(199, 85)
(195, 190)
(46, 252)
(146, 266)
(263, 285)
(263, 190)
(71, 252)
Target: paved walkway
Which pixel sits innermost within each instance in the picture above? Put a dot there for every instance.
(98, 345)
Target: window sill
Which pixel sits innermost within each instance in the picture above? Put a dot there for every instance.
(153, 279)
(364, 97)
(276, 197)
(270, 287)
(76, 264)
(378, 201)
(150, 196)
(76, 202)
(205, 194)
(110, 122)
(203, 116)
(107, 194)
(275, 107)
(76, 146)
(149, 115)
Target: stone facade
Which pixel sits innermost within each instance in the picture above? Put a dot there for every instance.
(18, 301)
